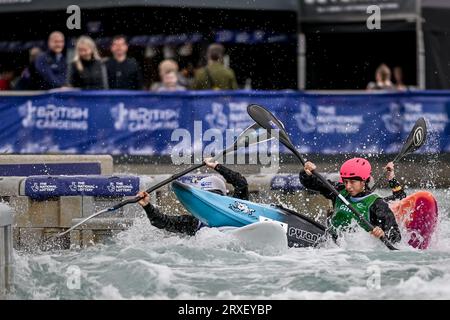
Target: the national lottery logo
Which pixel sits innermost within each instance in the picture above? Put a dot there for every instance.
(144, 118)
(53, 117)
(43, 187)
(82, 186)
(111, 187)
(279, 182)
(327, 120)
(120, 186)
(306, 121)
(73, 186)
(217, 119)
(393, 119)
(35, 187)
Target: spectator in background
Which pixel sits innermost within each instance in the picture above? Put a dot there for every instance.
(87, 70)
(215, 75)
(398, 76)
(51, 66)
(28, 77)
(382, 79)
(170, 83)
(123, 72)
(6, 77)
(165, 66)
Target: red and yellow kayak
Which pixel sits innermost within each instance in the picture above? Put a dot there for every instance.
(418, 214)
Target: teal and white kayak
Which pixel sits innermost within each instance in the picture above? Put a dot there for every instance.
(216, 210)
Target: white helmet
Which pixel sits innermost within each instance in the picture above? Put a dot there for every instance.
(213, 183)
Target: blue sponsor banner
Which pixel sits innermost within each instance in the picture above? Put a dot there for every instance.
(38, 169)
(141, 123)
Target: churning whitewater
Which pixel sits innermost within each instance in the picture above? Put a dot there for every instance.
(147, 263)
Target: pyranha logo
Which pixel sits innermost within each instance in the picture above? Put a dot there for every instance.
(418, 137)
(241, 207)
(306, 121)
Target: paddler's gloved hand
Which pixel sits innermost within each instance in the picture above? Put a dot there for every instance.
(210, 163)
(377, 232)
(390, 171)
(146, 200)
(309, 166)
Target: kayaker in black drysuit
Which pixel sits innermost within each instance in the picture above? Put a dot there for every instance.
(189, 224)
(354, 186)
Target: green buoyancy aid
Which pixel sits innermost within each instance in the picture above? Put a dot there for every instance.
(343, 217)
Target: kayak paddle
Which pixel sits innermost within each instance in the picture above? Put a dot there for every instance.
(415, 140)
(250, 135)
(269, 122)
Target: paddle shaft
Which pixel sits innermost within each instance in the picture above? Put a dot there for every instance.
(168, 180)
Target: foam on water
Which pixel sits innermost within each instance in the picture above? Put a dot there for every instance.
(147, 263)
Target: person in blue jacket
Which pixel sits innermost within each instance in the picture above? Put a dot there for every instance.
(51, 66)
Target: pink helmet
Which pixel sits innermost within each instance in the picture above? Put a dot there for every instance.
(356, 168)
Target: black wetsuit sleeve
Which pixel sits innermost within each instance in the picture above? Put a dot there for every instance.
(397, 191)
(382, 216)
(177, 223)
(236, 179)
(312, 183)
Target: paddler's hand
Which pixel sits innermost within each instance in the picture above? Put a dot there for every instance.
(390, 170)
(309, 166)
(211, 163)
(377, 232)
(144, 201)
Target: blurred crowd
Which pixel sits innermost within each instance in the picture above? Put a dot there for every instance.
(88, 70)
(384, 81)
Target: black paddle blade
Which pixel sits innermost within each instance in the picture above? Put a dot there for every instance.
(416, 138)
(268, 121)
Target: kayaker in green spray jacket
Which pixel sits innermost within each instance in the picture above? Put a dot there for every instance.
(355, 176)
(189, 224)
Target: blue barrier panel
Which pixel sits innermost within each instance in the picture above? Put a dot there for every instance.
(44, 187)
(38, 169)
(141, 123)
(279, 182)
(286, 182)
